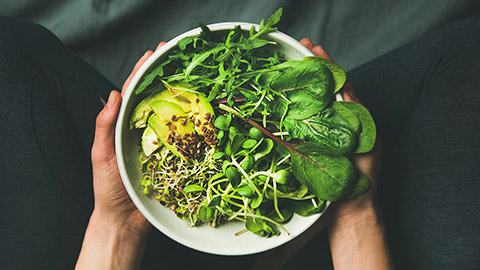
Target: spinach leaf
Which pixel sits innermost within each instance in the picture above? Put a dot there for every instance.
(330, 136)
(366, 138)
(308, 86)
(347, 116)
(337, 71)
(328, 177)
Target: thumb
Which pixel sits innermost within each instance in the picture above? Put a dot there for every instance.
(104, 143)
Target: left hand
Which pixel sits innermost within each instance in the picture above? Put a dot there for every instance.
(112, 202)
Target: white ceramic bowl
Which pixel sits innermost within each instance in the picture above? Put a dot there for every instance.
(220, 240)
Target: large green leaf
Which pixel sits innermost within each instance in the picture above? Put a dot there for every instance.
(347, 116)
(328, 177)
(328, 130)
(337, 71)
(308, 86)
(366, 138)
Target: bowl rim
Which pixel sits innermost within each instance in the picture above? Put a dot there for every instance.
(123, 114)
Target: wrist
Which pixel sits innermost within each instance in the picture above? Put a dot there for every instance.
(111, 244)
(133, 224)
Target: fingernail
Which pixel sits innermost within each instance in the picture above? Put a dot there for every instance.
(112, 99)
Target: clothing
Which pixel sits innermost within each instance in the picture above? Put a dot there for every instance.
(423, 97)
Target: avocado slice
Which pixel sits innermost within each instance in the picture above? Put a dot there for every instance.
(141, 113)
(197, 106)
(170, 124)
(150, 141)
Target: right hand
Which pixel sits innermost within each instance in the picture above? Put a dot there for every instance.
(367, 163)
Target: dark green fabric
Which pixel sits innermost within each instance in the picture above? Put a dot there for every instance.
(112, 34)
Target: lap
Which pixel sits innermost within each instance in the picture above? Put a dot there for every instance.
(49, 99)
(424, 97)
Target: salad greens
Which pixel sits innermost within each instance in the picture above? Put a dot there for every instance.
(234, 131)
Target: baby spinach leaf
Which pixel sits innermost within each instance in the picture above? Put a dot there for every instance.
(329, 135)
(337, 71)
(347, 116)
(328, 177)
(362, 186)
(308, 86)
(366, 138)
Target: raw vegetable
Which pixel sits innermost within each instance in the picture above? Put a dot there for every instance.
(241, 133)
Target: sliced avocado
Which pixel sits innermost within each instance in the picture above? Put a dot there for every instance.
(141, 113)
(169, 121)
(195, 104)
(150, 141)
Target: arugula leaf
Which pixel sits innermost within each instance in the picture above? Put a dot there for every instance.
(272, 20)
(148, 79)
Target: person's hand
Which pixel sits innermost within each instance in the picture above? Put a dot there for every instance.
(116, 233)
(355, 226)
(111, 199)
(368, 163)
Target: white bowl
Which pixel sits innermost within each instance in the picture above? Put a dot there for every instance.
(220, 240)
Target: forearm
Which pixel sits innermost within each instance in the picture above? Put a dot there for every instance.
(111, 245)
(357, 237)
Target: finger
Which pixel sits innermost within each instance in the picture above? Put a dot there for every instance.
(160, 45)
(348, 94)
(135, 69)
(307, 43)
(320, 52)
(104, 143)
